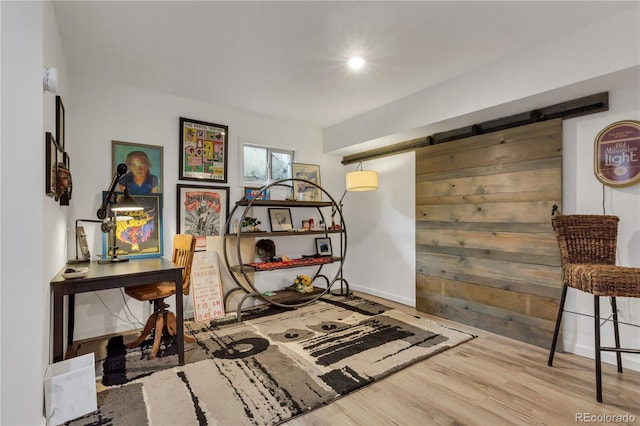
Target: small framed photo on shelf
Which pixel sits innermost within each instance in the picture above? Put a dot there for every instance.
(280, 219)
(323, 247)
(304, 191)
(251, 193)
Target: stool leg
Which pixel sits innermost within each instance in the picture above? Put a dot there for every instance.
(616, 332)
(596, 317)
(557, 329)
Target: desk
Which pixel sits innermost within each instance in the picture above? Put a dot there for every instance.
(113, 275)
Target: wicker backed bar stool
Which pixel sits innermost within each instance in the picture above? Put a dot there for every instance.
(588, 255)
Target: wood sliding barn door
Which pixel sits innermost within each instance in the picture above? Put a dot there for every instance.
(486, 252)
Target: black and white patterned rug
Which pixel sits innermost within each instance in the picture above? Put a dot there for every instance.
(274, 365)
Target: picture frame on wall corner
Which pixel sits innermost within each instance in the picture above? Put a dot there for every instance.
(203, 151)
(303, 191)
(53, 154)
(60, 124)
(144, 167)
(202, 211)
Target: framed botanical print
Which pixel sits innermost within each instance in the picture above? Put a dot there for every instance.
(144, 167)
(139, 233)
(202, 211)
(304, 191)
(203, 151)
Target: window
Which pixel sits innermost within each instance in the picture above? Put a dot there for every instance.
(262, 164)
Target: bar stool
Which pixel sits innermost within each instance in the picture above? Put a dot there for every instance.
(588, 255)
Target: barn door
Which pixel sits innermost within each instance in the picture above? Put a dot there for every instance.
(486, 253)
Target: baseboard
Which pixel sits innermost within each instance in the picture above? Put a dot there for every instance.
(384, 295)
(628, 361)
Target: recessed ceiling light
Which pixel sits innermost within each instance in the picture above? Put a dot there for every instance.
(356, 63)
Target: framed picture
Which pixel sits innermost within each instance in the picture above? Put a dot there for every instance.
(52, 151)
(250, 194)
(60, 122)
(280, 219)
(303, 191)
(203, 150)
(63, 179)
(202, 211)
(323, 247)
(144, 167)
(138, 233)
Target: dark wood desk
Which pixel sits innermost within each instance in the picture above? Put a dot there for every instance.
(107, 276)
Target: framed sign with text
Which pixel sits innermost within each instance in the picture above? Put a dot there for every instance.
(617, 154)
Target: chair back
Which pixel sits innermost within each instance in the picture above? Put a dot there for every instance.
(586, 238)
(184, 246)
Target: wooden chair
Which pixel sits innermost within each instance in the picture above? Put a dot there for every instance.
(588, 255)
(163, 320)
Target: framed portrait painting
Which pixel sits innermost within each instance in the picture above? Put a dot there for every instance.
(144, 167)
(138, 233)
(203, 151)
(202, 211)
(304, 191)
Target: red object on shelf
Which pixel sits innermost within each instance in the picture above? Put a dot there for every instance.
(293, 263)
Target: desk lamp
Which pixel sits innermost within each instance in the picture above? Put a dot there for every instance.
(111, 205)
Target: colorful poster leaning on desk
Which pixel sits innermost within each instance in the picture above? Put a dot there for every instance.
(138, 233)
(206, 287)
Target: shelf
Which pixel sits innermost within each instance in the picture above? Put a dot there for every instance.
(295, 263)
(285, 203)
(284, 233)
(287, 296)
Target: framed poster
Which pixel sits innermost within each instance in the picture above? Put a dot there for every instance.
(52, 153)
(144, 167)
(138, 233)
(202, 211)
(250, 193)
(304, 191)
(617, 154)
(60, 122)
(203, 151)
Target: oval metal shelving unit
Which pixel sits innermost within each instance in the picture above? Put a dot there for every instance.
(284, 298)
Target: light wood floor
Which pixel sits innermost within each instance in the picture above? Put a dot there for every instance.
(491, 380)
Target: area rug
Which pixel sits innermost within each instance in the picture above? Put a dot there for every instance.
(274, 365)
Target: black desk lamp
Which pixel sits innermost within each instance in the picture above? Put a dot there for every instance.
(110, 204)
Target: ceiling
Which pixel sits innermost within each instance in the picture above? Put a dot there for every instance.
(287, 59)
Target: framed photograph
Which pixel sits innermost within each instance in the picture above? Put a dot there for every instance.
(52, 153)
(138, 233)
(303, 191)
(202, 211)
(280, 219)
(250, 194)
(144, 167)
(323, 247)
(60, 122)
(203, 150)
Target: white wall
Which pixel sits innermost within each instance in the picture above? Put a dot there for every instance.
(101, 112)
(584, 194)
(23, 249)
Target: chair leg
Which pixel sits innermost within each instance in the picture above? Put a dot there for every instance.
(616, 332)
(158, 337)
(151, 323)
(172, 327)
(557, 329)
(596, 318)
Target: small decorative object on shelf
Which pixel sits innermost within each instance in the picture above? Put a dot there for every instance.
(302, 284)
(251, 223)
